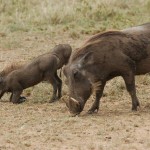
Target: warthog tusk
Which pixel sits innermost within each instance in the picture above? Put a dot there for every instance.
(74, 100)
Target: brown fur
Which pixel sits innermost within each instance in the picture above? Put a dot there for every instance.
(42, 68)
(103, 34)
(100, 39)
(104, 56)
(96, 86)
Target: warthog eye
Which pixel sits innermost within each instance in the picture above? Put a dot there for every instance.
(76, 74)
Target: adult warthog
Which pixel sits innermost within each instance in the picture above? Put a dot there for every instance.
(104, 56)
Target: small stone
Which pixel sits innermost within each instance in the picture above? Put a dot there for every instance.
(108, 137)
(136, 125)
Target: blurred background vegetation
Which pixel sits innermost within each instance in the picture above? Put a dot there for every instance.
(32, 27)
(73, 16)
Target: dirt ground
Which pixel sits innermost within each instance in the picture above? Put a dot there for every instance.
(38, 125)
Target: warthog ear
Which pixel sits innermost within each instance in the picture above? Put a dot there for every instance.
(87, 59)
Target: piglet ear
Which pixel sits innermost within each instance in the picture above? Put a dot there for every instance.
(87, 59)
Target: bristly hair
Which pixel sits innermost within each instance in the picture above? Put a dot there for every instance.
(96, 86)
(105, 34)
(81, 50)
(96, 39)
(11, 67)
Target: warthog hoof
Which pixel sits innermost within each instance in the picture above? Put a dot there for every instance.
(22, 99)
(134, 107)
(93, 110)
(53, 99)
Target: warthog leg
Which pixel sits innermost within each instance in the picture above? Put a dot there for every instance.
(99, 93)
(54, 97)
(130, 85)
(59, 85)
(128, 75)
(15, 97)
(54, 83)
(21, 99)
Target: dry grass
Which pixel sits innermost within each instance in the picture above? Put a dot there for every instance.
(75, 18)
(64, 16)
(30, 28)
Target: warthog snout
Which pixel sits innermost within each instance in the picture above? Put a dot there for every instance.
(75, 106)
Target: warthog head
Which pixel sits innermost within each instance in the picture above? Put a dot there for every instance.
(63, 52)
(79, 82)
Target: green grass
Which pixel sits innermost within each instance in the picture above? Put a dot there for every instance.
(76, 16)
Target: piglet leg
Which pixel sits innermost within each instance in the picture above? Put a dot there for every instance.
(59, 85)
(15, 98)
(53, 81)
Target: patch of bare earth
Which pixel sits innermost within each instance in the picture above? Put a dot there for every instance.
(37, 125)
